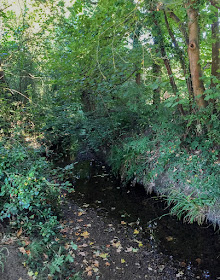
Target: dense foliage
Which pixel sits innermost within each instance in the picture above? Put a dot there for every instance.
(137, 81)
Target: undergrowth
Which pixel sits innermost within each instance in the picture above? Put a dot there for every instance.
(30, 200)
(174, 156)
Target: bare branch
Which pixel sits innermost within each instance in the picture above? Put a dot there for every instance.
(5, 8)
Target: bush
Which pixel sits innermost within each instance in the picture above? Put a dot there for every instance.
(30, 200)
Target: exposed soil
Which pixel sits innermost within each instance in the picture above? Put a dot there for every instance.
(12, 268)
(111, 251)
(106, 250)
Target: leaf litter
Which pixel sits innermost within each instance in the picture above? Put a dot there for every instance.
(104, 247)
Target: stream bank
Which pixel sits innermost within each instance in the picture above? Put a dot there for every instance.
(116, 217)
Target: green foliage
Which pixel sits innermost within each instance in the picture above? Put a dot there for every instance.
(95, 75)
(30, 199)
(184, 168)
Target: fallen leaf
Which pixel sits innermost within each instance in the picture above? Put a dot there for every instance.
(28, 252)
(27, 242)
(84, 245)
(85, 234)
(22, 250)
(89, 273)
(19, 232)
(80, 220)
(86, 205)
(136, 231)
(116, 244)
(97, 253)
(169, 238)
(64, 230)
(81, 213)
(83, 254)
(107, 264)
(131, 249)
(88, 225)
(179, 274)
(95, 269)
(9, 241)
(128, 250)
(119, 250)
(103, 255)
(123, 223)
(123, 261)
(96, 263)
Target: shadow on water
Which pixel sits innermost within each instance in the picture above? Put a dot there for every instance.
(196, 248)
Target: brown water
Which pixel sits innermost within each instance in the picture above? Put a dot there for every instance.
(196, 248)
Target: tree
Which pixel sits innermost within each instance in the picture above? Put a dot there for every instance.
(193, 52)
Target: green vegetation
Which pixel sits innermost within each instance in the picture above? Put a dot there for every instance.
(137, 81)
(31, 203)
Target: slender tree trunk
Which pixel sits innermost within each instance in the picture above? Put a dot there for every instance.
(136, 45)
(138, 78)
(167, 62)
(156, 94)
(193, 53)
(215, 51)
(2, 75)
(181, 57)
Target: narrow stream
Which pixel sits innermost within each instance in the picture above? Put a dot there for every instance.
(195, 248)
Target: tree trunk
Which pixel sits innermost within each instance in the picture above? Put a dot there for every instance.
(138, 78)
(2, 75)
(215, 51)
(136, 45)
(193, 53)
(181, 57)
(167, 62)
(156, 93)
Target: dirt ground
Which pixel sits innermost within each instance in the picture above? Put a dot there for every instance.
(13, 268)
(106, 250)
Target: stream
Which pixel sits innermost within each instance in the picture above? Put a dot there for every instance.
(196, 248)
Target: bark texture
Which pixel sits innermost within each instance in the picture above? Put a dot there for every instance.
(215, 50)
(193, 53)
